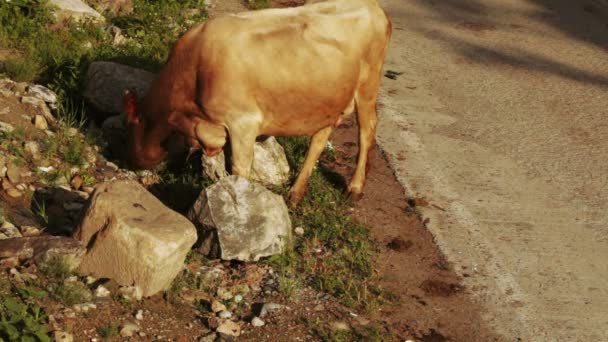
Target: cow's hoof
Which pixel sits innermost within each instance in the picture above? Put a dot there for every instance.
(294, 198)
(355, 196)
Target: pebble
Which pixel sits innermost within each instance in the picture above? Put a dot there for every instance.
(33, 148)
(46, 169)
(269, 307)
(21, 187)
(238, 298)
(88, 189)
(62, 336)
(131, 292)
(10, 230)
(139, 315)
(90, 280)
(128, 329)
(229, 328)
(299, 231)
(225, 314)
(257, 322)
(217, 306)
(13, 173)
(101, 292)
(28, 231)
(339, 326)
(40, 122)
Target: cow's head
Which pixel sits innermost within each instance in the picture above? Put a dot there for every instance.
(145, 139)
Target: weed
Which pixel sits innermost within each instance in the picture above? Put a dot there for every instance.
(40, 211)
(20, 321)
(109, 330)
(71, 292)
(56, 267)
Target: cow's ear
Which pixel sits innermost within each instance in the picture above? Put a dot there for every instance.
(129, 103)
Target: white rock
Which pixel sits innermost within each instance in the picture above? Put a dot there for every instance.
(43, 93)
(238, 298)
(299, 231)
(217, 306)
(40, 122)
(224, 314)
(248, 221)
(76, 10)
(139, 315)
(133, 238)
(128, 329)
(257, 322)
(85, 307)
(229, 328)
(10, 230)
(131, 292)
(270, 166)
(101, 292)
(62, 336)
(271, 307)
(33, 148)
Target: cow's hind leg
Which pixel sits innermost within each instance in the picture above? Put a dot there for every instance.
(317, 145)
(367, 119)
(241, 143)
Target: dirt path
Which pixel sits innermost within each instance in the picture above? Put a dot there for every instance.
(500, 121)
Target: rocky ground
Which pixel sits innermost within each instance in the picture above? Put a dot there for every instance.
(370, 272)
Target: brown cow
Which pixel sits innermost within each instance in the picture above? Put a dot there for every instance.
(280, 72)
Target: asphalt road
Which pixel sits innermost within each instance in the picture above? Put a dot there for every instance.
(500, 120)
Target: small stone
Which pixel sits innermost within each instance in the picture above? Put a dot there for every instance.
(139, 315)
(112, 166)
(28, 231)
(229, 328)
(299, 231)
(62, 336)
(101, 292)
(21, 187)
(89, 280)
(76, 182)
(128, 329)
(72, 132)
(46, 169)
(224, 314)
(6, 127)
(69, 313)
(257, 322)
(319, 307)
(31, 188)
(131, 292)
(40, 122)
(270, 307)
(13, 173)
(43, 93)
(224, 294)
(14, 193)
(217, 306)
(238, 298)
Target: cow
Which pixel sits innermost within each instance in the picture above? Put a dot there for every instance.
(276, 72)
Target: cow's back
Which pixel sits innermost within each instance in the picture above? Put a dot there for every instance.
(304, 62)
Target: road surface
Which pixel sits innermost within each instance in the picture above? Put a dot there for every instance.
(500, 120)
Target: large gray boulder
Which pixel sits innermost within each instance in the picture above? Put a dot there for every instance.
(133, 238)
(241, 220)
(75, 10)
(106, 82)
(270, 166)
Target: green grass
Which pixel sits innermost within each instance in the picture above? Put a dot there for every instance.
(109, 331)
(71, 292)
(335, 253)
(257, 4)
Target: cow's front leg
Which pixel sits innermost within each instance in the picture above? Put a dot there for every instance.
(241, 143)
(317, 144)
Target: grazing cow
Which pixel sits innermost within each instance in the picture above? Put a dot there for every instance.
(279, 72)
